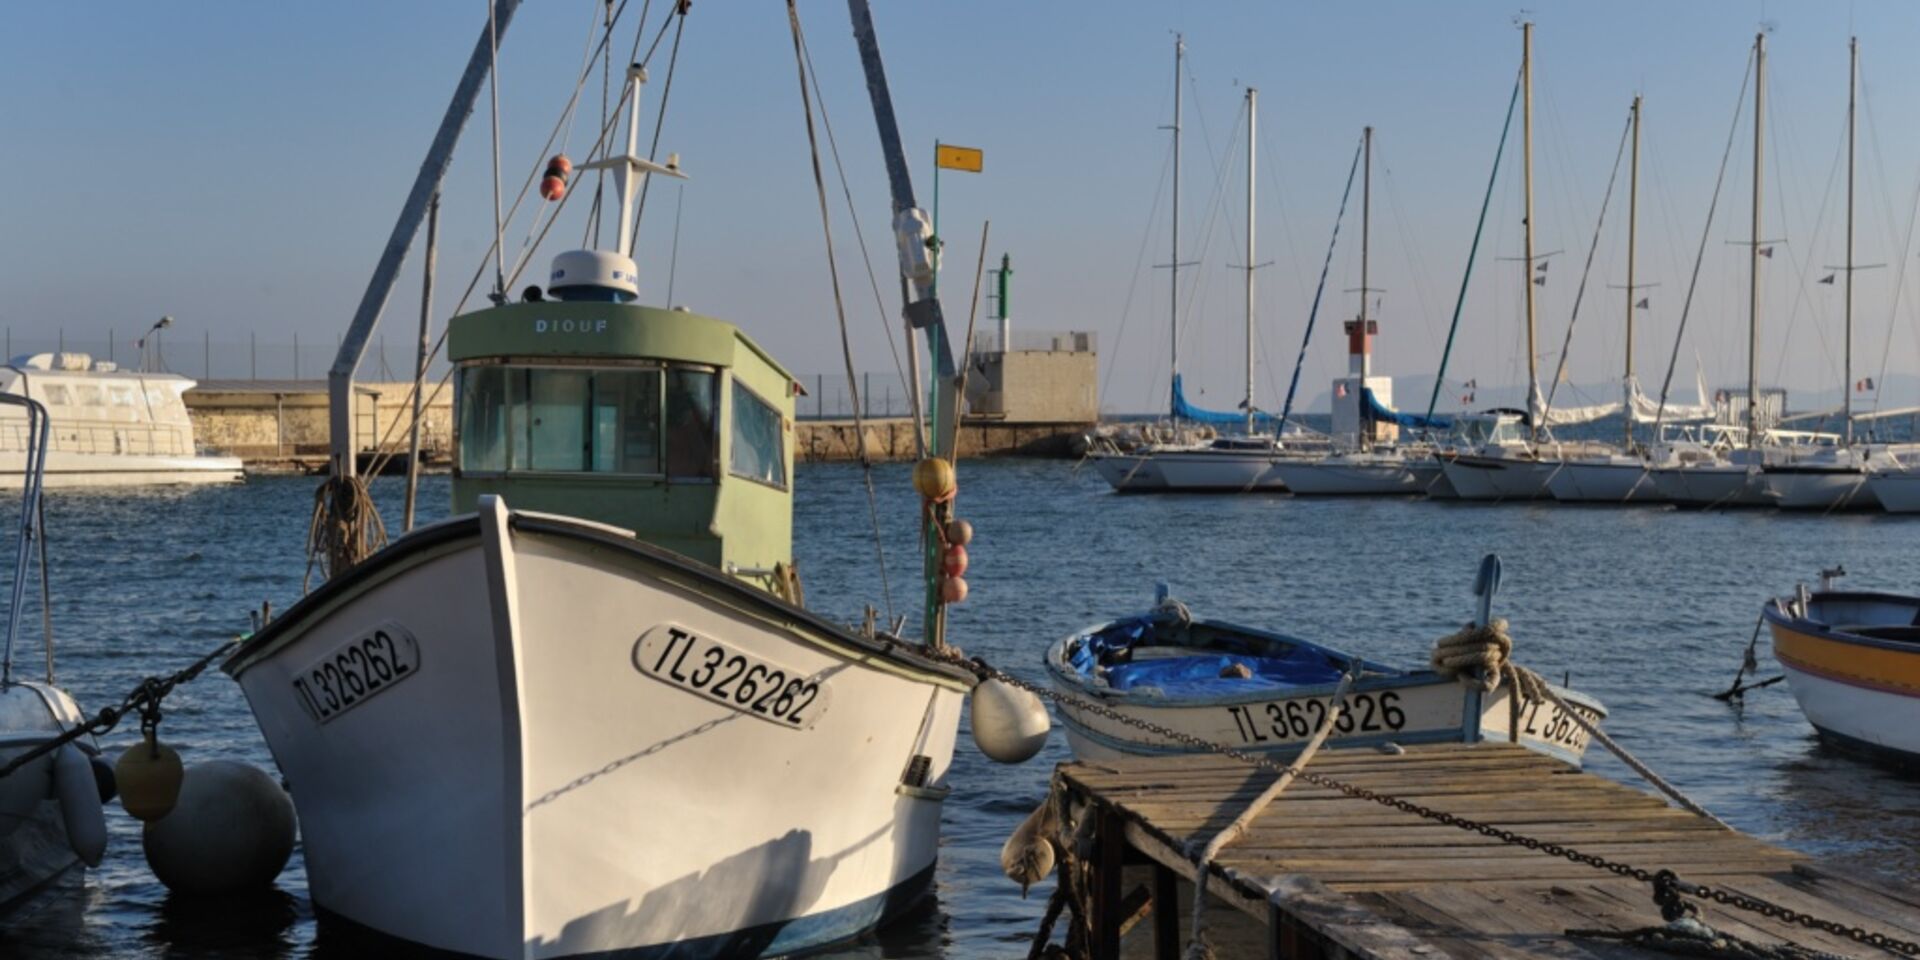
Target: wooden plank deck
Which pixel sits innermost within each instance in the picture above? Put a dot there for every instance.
(1336, 876)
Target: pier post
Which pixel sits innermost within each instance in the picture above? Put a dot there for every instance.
(1109, 860)
(1166, 914)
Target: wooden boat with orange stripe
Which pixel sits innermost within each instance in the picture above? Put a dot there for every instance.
(1853, 662)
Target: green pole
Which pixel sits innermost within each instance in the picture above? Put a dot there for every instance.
(934, 287)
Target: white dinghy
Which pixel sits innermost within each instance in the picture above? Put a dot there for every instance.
(1262, 691)
(603, 723)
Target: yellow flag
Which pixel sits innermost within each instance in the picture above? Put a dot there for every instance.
(958, 158)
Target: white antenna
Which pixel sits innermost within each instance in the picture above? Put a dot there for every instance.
(629, 169)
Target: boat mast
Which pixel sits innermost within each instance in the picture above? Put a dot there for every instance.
(1173, 264)
(1753, 253)
(1846, 379)
(1366, 231)
(1253, 140)
(1633, 228)
(1526, 264)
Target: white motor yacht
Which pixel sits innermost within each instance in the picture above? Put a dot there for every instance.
(110, 427)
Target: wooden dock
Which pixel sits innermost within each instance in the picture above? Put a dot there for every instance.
(1330, 875)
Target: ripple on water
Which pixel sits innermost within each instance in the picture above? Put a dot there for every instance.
(1646, 608)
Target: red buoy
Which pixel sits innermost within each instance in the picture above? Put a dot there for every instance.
(552, 187)
(560, 165)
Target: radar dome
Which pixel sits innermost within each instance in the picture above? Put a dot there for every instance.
(594, 275)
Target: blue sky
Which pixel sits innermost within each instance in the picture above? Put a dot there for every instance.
(240, 165)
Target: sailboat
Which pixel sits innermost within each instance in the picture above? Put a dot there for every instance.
(1368, 466)
(1501, 457)
(1620, 475)
(599, 721)
(52, 817)
(1831, 476)
(1230, 464)
(1727, 472)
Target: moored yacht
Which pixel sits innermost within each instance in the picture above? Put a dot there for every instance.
(110, 427)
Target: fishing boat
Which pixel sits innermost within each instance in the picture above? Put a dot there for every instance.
(1259, 690)
(590, 714)
(110, 427)
(1852, 659)
(52, 816)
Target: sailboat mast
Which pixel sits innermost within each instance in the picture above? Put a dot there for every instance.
(1366, 230)
(1633, 232)
(1253, 139)
(1846, 381)
(1753, 254)
(1173, 263)
(1526, 264)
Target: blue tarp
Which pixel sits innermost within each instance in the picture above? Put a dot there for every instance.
(1182, 410)
(1413, 421)
(1106, 652)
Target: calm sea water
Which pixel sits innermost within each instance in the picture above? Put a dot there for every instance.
(1644, 607)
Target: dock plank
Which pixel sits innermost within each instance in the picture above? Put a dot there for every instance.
(1362, 879)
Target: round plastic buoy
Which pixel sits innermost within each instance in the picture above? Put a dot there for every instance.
(232, 831)
(933, 477)
(1009, 724)
(959, 532)
(149, 778)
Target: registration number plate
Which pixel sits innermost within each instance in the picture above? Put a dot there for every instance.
(350, 676)
(752, 685)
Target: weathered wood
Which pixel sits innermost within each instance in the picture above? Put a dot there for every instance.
(1339, 876)
(1166, 914)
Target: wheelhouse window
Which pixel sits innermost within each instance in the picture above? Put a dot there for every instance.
(759, 450)
(562, 420)
(692, 399)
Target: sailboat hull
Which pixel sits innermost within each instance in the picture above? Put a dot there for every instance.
(1347, 476)
(1711, 486)
(1624, 480)
(1819, 488)
(1499, 478)
(580, 747)
(1209, 471)
(1129, 473)
(1898, 491)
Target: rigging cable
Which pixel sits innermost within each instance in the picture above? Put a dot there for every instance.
(839, 303)
(680, 9)
(1453, 328)
(1706, 231)
(1580, 294)
(1126, 307)
(1286, 409)
(859, 235)
(493, 84)
(1905, 246)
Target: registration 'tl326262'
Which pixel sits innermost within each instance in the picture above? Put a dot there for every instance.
(679, 657)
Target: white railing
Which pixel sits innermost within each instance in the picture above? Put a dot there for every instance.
(126, 439)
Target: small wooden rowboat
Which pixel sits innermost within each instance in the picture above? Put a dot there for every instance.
(1852, 659)
(1257, 690)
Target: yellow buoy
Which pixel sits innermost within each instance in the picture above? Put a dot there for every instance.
(149, 775)
(933, 477)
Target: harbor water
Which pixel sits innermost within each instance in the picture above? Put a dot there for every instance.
(1644, 607)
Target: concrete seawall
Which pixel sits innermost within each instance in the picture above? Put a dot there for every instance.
(819, 441)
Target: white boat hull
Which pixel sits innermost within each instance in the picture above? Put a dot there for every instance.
(1129, 473)
(1898, 491)
(1208, 471)
(549, 781)
(1422, 709)
(35, 846)
(1621, 481)
(1499, 478)
(76, 470)
(1347, 476)
(1806, 488)
(1711, 486)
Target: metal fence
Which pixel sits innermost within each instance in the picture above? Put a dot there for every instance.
(987, 340)
(281, 355)
(828, 396)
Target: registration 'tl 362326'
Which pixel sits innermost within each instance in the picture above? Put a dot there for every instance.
(716, 671)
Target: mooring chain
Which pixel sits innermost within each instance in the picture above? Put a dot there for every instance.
(1672, 884)
(144, 699)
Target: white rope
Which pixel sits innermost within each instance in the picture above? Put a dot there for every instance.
(1197, 948)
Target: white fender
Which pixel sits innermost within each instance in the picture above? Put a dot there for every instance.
(79, 794)
(1009, 724)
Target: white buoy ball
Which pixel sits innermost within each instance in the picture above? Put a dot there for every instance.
(1009, 724)
(231, 831)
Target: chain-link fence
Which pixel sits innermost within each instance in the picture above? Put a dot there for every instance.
(828, 396)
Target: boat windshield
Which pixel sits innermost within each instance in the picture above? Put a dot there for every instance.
(633, 421)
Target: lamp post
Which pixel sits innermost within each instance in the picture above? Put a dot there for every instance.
(153, 333)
